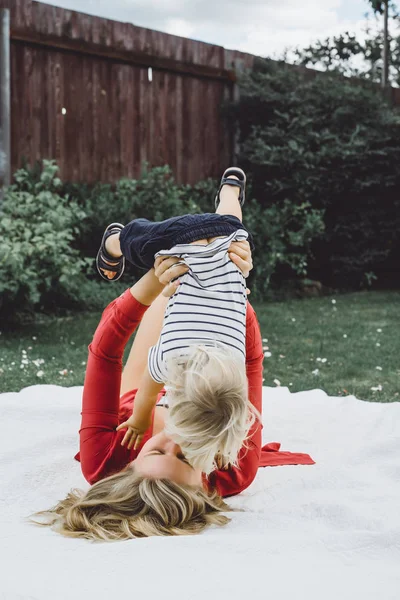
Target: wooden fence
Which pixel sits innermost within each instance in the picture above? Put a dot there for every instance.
(102, 97)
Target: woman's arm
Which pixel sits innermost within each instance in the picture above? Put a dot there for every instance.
(236, 479)
(101, 392)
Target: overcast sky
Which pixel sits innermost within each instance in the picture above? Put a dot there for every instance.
(263, 27)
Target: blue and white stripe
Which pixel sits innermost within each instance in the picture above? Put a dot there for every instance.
(209, 306)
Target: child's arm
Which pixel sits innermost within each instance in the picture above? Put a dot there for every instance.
(140, 420)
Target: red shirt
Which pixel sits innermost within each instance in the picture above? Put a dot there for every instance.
(101, 453)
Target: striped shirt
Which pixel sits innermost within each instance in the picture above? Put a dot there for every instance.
(208, 308)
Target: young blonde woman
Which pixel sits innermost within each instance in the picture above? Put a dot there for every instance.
(154, 491)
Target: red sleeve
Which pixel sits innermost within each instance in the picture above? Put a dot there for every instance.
(236, 479)
(101, 453)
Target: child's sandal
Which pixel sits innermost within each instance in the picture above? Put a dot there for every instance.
(103, 257)
(227, 180)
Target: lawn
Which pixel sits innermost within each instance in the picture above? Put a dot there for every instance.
(347, 344)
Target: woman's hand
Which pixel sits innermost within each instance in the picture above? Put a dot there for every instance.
(240, 255)
(169, 269)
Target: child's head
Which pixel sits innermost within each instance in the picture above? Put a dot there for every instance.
(210, 413)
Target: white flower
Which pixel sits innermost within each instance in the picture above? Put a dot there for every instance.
(25, 361)
(22, 366)
(63, 372)
(323, 360)
(72, 343)
(378, 368)
(34, 338)
(267, 354)
(265, 348)
(38, 362)
(333, 301)
(23, 351)
(318, 359)
(12, 364)
(290, 384)
(378, 388)
(334, 308)
(281, 356)
(29, 347)
(83, 363)
(293, 319)
(277, 382)
(345, 335)
(40, 374)
(265, 341)
(378, 344)
(379, 330)
(315, 372)
(71, 371)
(263, 379)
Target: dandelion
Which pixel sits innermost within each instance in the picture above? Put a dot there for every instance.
(377, 345)
(267, 354)
(377, 388)
(333, 301)
(345, 335)
(378, 368)
(277, 382)
(40, 374)
(324, 360)
(315, 372)
(379, 330)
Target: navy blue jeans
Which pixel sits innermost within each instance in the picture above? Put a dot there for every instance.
(141, 239)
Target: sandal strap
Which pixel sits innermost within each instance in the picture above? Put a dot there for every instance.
(104, 265)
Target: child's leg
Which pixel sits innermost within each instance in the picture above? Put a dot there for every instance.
(229, 201)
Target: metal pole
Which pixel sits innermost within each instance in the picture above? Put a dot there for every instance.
(5, 145)
(385, 53)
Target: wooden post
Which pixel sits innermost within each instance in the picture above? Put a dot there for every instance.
(5, 158)
(239, 69)
(385, 52)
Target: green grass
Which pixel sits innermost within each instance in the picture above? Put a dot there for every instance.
(299, 332)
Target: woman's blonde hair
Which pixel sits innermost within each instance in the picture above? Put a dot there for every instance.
(128, 505)
(210, 414)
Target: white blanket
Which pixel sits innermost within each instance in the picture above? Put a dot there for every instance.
(322, 532)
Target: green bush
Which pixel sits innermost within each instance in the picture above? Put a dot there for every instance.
(334, 146)
(50, 235)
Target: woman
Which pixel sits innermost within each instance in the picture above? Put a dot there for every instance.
(153, 491)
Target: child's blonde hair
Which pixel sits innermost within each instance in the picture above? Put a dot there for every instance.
(210, 414)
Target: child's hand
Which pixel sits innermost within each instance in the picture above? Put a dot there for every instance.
(136, 430)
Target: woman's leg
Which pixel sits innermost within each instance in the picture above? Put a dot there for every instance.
(147, 335)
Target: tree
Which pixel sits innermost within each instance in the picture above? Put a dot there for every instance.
(360, 58)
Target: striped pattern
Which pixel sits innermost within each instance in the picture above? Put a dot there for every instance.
(209, 306)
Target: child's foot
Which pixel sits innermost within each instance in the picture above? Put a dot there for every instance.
(233, 177)
(110, 262)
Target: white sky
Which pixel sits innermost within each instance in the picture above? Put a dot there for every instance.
(263, 27)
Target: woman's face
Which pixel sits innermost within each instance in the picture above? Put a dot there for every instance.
(161, 458)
